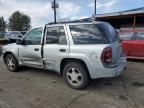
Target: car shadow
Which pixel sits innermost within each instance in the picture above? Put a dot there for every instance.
(43, 72)
(97, 84)
(136, 60)
(0, 50)
(103, 83)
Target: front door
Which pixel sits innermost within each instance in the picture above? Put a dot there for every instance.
(30, 51)
(138, 45)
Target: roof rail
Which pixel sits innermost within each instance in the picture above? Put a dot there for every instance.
(75, 21)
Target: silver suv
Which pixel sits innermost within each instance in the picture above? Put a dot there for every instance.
(77, 51)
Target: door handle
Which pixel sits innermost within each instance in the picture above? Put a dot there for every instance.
(62, 50)
(36, 49)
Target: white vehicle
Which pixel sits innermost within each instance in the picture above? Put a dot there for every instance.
(77, 51)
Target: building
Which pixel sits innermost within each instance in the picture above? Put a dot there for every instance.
(130, 20)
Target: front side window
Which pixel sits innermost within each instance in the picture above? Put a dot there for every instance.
(87, 34)
(33, 37)
(56, 35)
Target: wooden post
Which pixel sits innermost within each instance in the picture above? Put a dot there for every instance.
(134, 23)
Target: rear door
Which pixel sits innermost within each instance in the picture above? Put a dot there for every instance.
(56, 46)
(30, 51)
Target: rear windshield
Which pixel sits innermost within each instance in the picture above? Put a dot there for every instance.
(93, 34)
(110, 32)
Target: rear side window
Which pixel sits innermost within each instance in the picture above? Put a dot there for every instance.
(87, 34)
(56, 35)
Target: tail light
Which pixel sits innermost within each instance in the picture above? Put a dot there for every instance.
(107, 55)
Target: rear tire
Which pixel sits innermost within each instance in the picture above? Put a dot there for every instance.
(11, 62)
(76, 75)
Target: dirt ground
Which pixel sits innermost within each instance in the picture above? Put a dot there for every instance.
(33, 88)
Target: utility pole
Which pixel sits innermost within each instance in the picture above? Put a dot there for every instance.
(54, 11)
(55, 6)
(95, 9)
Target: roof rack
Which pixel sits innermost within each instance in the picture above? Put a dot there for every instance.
(75, 21)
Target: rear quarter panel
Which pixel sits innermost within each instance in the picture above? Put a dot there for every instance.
(87, 52)
(90, 54)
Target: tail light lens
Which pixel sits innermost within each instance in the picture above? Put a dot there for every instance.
(107, 55)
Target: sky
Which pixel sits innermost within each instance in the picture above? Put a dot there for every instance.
(41, 12)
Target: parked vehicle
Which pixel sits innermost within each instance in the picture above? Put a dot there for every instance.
(23, 32)
(78, 51)
(2, 34)
(133, 45)
(12, 36)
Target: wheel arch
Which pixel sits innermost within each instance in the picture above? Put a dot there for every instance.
(5, 54)
(67, 60)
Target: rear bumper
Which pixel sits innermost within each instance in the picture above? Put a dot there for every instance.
(102, 72)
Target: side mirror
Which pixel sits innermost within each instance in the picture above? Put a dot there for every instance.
(19, 41)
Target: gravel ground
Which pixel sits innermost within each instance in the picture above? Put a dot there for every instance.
(33, 88)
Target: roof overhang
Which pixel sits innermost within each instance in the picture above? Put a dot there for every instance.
(134, 12)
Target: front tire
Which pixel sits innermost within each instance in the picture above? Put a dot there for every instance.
(76, 75)
(12, 63)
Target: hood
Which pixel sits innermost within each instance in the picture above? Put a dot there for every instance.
(10, 45)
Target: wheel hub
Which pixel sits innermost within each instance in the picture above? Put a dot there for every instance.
(10, 63)
(74, 76)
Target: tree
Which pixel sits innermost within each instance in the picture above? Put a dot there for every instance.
(2, 24)
(19, 22)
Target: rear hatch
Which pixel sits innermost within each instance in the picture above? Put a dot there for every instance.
(114, 41)
(116, 51)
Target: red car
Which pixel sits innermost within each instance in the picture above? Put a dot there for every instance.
(133, 45)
